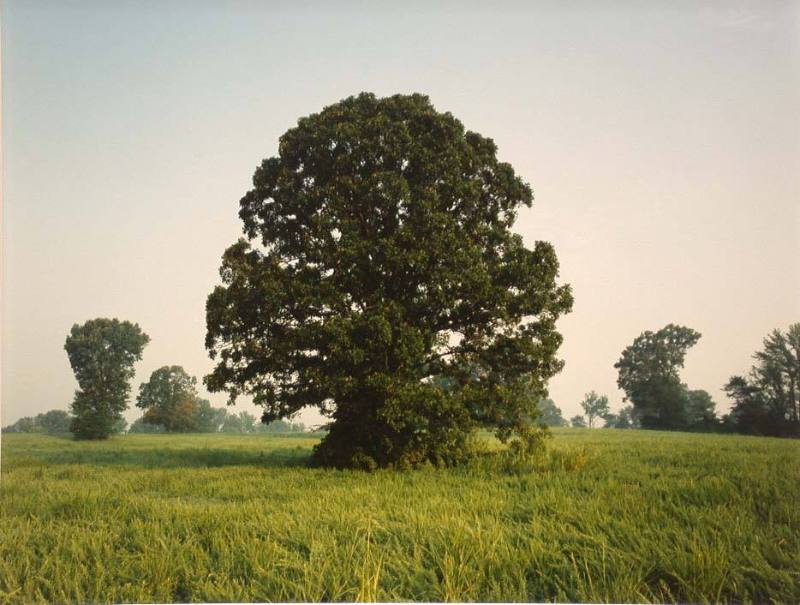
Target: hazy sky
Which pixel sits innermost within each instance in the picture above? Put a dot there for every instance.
(662, 142)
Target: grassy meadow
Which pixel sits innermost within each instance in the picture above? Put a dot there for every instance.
(612, 515)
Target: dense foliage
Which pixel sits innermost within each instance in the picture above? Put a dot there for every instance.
(170, 400)
(379, 256)
(767, 402)
(102, 353)
(648, 373)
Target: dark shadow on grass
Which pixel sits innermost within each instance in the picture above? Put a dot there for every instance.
(166, 457)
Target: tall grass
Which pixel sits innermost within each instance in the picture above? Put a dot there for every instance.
(624, 516)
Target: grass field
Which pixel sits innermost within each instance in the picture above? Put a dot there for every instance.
(632, 516)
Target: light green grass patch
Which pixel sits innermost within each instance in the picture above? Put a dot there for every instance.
(641, 516)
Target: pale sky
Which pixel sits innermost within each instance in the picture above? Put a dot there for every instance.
(662, 141)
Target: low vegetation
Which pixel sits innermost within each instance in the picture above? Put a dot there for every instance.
(622, 516)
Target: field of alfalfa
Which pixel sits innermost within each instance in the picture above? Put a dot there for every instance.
(612, 515)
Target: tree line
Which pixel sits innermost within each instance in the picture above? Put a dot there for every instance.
(102, 353)
(58, 422)
(171, 404)
(765, 402)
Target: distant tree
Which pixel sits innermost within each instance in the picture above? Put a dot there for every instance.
(170, 399)
(232, 424)
(276, 426)
(751, 412)
(624, 419)
(120, 426)
(594, 406)
(26, 424)
(610, 420)
(648, 373)
(54, 422)
(102, 353)
(550, 414)
(209, 419)
(767, 402)
(140, 426)
(700, 411)
(280, 426)
(380, 254)
(777, 374)
(243, 422)
(248, 422)
(578, 421)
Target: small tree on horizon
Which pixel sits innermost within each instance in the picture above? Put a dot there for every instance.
(54, 422)
(209, 419)
(624, 419)
(550, 413)
(578, 421)
(139, 426)
(243, 422)
(594, 406)
(102, 353)
(170, 399)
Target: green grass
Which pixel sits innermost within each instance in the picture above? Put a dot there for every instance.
(624, 516)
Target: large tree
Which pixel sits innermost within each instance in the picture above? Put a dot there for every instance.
(170, 399)
(379, 255)
(648, 373)
(102, 353)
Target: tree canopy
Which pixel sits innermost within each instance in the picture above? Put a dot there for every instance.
(648, 373)
(379, 255)
(102, 353)
(170, 399)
